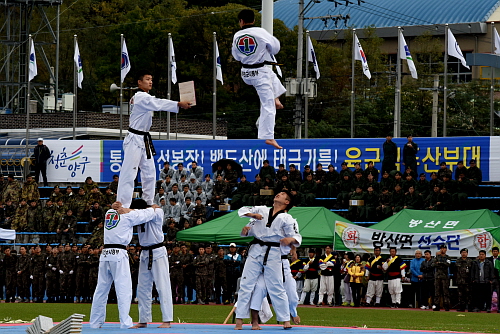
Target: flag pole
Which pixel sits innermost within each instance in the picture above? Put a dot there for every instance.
(169, 84)
(75, 78)
(492, 86)
(121, 89)
(352, 80)
(397, 102)
(445, 79)
(214, 112)
(26, 164)
(306, 95)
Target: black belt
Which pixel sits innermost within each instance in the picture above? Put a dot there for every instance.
(115, 246)
(148, 141)
(284, 257)
(150, 249)
(258, 65)
(264, 243)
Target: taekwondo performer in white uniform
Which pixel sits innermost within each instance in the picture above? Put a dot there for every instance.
(138, 146)
(114, 264)
(153, 267)
(255, 48)
(274, 232)
(260, 293)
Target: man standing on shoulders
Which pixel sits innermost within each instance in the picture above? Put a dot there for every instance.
(138, 146)
(255, 48)
(395, 268)
(442, 278)
(42, 154)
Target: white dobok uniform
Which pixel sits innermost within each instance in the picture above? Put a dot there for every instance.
(154, 270)
(260, 290)
(254, 46)
(143, 106)
(114, 265)
(266, 260)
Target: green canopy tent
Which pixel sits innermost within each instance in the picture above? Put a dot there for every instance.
(316, 225)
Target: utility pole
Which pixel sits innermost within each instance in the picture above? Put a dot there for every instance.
(300, 53)
(435, 100)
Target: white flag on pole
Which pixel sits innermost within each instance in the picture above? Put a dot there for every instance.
(219, 68)
(33, 71)
(125, 61)
(454, 49)
(311, 56)
(359, 54)
(173, 64)
(404, 53)
(78, 62)
(497, 42)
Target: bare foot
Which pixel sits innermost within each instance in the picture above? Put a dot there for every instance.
(239, 324)
(278, 103)
(286, 325)
(139, 325)
(296, 320)
(256, 327)
(273, 142)
(165, 325)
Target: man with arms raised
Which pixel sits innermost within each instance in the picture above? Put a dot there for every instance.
(274, 232)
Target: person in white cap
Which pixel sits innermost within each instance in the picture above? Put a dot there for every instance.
(42, 154)
(233, 263)
(114, 264)
(138, 146)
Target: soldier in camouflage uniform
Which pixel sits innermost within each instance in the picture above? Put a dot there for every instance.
(37, 269)
(93, 270)
(52, 275)
(67, 227)
(134, 262)
(33, 219)
(9, 213)
(96, 239)
(95, 196)
(89, 185)
(80, 205)
(59, 214)
(188, 272)
(66, 264)
(220, 277)
(109, 198)
(12, 191)
(464, 266)
(69, 196)
(200, 263)
(56, 194)
(176, 275)
(211, 272)
(96, 214)
(23, 275)
(48, 213)
(20, 223)
(82, 275)
(30, 190)
(442, 279)
(10, 265)
(3, 185)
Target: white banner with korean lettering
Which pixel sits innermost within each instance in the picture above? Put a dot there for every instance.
(73, 161)
(354, 238)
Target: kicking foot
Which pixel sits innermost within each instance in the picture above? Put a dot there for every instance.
(278, 103)
(286, 325)
(239, 324)
(139, 325)
(296, 320)
(165, 325)
(273, 142)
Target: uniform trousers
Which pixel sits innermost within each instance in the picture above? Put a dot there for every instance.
(119, 273)
(134, 157)
(375, 288)
(159, 273)
(273, 277)
(395, 288)
(310, 285)
(346, 292)
(326, 287)
(262, 79)
(442, 286)
(260, 291)
(300, 286)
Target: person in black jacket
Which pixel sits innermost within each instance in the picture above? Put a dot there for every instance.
(42, 154)
(390, 154)
(410, 151)
(482, 275)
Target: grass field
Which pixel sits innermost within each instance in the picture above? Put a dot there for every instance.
(341, 317)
